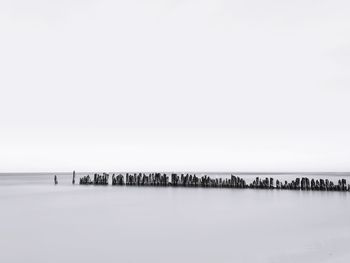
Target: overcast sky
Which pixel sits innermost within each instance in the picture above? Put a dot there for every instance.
(199, 85)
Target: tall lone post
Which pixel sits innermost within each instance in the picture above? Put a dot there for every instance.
(73, 182)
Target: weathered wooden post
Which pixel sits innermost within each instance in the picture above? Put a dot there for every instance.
(313, 184)
(297, 184)
(73, 181)
(322, 185)
(302, 183)
(343, 181)
(339, 185)
(327, 185)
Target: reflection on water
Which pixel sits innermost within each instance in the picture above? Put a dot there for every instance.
(41, 222)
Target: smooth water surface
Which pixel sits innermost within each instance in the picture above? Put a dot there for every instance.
(41, 222)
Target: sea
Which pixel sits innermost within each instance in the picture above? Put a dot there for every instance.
(41, 222)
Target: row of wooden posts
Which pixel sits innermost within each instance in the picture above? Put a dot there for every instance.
(192, 180)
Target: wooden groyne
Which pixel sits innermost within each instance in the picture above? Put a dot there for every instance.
(205, 181)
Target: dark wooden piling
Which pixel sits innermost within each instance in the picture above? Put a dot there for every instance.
(73, 180)
(343, 182)
(313, 184)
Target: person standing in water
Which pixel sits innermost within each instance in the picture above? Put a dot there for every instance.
(55, 180)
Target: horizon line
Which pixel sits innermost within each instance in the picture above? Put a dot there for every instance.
(198, 172)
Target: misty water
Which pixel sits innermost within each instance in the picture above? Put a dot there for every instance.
(41, 222)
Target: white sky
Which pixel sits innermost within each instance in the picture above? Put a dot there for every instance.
(199, 85)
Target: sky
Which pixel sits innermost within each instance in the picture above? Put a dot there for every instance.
(174, 85)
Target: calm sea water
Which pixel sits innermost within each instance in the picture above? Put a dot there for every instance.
(41, 222)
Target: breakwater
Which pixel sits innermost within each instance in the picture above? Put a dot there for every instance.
(205, 181)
